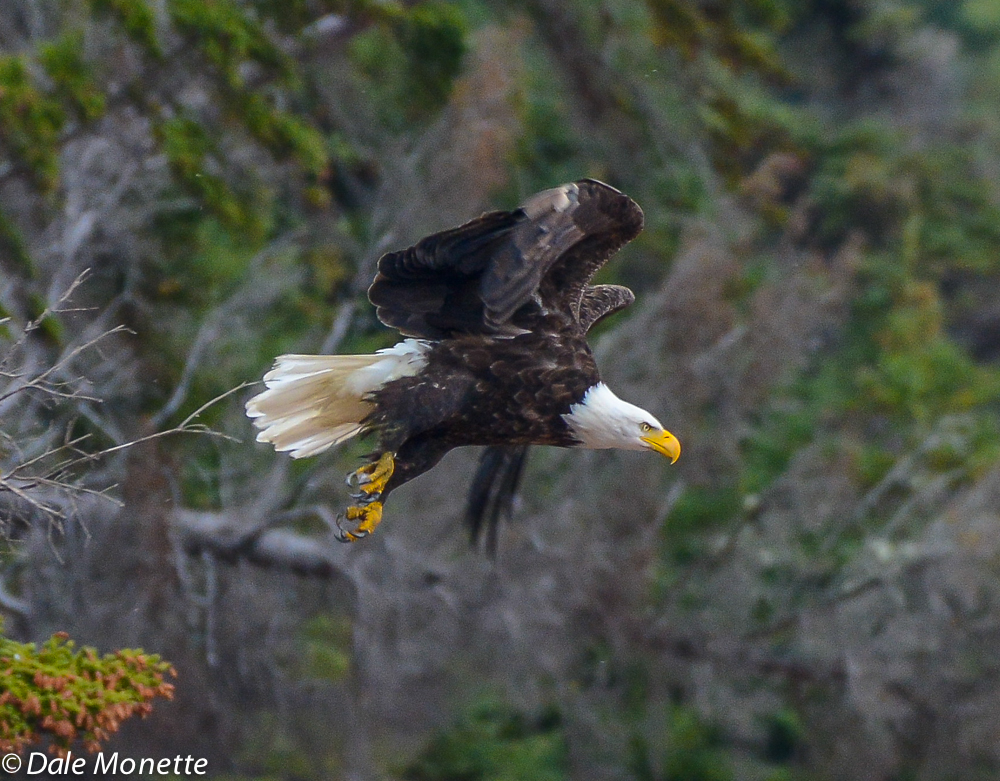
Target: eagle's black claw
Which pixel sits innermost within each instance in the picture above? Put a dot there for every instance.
(357, 479)
(344, 535)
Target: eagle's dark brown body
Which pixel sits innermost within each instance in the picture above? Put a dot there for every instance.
(484, 390)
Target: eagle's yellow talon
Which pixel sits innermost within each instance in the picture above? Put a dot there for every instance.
(369, 515)
(371, 479)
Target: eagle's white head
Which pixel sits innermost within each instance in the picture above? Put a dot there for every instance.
(602, 420)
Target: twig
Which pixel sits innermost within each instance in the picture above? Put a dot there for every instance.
(39, 381)
(210, 327)
(185, 427)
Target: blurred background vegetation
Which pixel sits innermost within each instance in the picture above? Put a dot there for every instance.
(810, 593)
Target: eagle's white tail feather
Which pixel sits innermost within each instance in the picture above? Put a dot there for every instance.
(313, 402)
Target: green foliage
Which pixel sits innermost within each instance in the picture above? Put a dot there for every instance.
(977, 21)
(30, 121)
(259, 87)
(547, 148)
(64, 62)
(12, 247)
(698, 513)
(786, 733)
(137, 18)
(291, 16)
(495, 742)
(695, 750)
(923, 213)
(742, 35)
(432, 37)
(770, 445)
(229, 37)
(412, 61)
(327, 642)
(235, 44)
(204, 263)
(67, 694)
(736, 47)
(745, 122)
(930, 206)
(189, 150)
(895, 364)
(275, 752)
(237, 47)
(872, 463)
(285, 135)
(908, 366)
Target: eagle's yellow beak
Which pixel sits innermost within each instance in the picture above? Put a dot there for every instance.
(664, 442)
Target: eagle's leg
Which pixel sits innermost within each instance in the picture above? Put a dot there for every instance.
(370, 481)
(376, 480)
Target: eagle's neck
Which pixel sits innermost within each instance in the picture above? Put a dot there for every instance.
(602, 420)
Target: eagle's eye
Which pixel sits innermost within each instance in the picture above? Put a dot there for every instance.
(646, 428)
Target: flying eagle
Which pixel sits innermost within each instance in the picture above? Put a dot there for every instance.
(495, 315)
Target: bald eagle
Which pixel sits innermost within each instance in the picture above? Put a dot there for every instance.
(494, 315)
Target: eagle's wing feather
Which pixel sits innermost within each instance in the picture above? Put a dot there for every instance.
(474, 278)
(546, 230)
(599, 301)
(431, 289)
(608, 220)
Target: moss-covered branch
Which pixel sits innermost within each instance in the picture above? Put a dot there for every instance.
(67, 694)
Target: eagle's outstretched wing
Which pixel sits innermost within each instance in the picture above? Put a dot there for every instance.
(476, 278)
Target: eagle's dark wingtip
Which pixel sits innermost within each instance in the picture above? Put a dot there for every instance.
(626, 214)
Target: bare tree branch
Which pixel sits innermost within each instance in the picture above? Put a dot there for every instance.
(279, 549)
